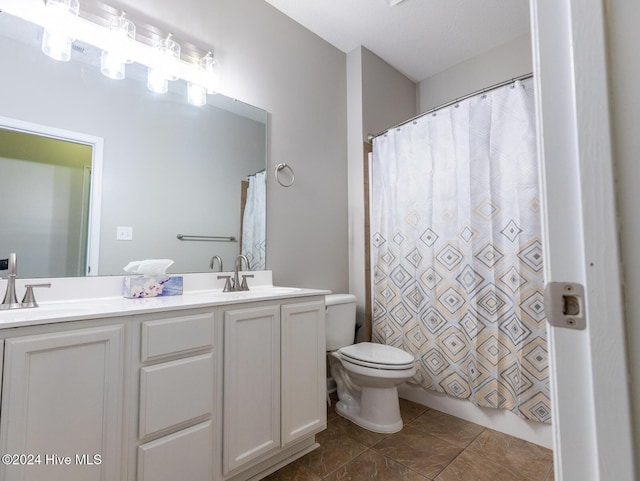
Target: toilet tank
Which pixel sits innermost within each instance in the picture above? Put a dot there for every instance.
(341, 320)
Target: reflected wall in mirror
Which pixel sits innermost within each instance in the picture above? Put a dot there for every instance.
(168, 167)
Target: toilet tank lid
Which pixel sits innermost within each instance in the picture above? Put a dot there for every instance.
(334, 299)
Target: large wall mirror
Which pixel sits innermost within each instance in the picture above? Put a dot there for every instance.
(98, 172)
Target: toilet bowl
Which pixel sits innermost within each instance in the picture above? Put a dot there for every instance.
(366, 374)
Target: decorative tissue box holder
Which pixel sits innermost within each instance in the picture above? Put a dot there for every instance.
(151, 286)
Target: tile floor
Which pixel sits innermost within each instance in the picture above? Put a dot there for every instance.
(432, 446)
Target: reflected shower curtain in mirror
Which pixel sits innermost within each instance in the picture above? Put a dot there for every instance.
(254, 222)
(456, 251)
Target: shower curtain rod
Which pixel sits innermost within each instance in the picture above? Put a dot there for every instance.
(453, 102)
(256, 173)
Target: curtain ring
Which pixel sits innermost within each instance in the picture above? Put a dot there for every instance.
(283, 166)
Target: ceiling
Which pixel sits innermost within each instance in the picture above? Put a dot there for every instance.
(417, 37)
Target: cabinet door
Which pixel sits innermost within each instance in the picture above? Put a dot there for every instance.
(303, 370)
(62, 400)
(251, 385)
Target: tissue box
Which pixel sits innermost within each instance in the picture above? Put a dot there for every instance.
(151, 286)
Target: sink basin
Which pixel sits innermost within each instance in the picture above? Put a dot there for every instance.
(258, 291)
(274, 290)
(261, 292)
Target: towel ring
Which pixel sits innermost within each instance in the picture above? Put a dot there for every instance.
(283, 166)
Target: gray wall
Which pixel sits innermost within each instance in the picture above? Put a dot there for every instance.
(378, 97)
(624, 38)
(270, 61)
(388, 97)
(501, 63)
(356, 179)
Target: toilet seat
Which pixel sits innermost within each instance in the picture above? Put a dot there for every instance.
(377, 356)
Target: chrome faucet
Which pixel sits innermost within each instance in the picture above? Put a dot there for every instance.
(10, 300)
(234, 285)
(213, 261)
(237, 267)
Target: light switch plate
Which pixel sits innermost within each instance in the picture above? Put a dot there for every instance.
(124, 233)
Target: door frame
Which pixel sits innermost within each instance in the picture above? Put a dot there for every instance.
(592, 422)
(95, 192)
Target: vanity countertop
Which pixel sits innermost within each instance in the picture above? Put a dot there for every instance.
(52, 311)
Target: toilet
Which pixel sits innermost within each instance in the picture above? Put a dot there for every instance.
(367, 374)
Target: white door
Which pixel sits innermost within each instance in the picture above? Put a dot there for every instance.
(62, 403)
(304, 378)
(251, 408)
(590, 395)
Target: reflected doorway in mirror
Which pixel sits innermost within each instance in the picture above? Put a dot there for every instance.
(53, 180)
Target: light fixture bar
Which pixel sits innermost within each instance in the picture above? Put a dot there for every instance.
(34, 11)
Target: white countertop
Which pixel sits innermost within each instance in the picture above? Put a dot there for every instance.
(82, 308)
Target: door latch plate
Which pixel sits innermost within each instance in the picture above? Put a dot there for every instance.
(564, 305)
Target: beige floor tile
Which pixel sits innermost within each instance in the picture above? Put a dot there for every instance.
(418, 451)
(428, 447)
(336, 449)
(530, 461)
(473, 467)
(450, 428)
(410, 410)
(371, 466)
(364, 436)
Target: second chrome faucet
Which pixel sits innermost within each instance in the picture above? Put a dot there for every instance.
(234, 284)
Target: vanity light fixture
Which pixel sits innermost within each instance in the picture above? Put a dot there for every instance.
(168, 54)
(56, 42)
(113, 60)
(116, 40)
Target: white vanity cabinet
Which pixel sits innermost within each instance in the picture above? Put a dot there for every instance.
(219, 392)
(274, 383)
(62, 402)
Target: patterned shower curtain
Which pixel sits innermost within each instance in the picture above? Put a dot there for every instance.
(456, 251)
(254, 222)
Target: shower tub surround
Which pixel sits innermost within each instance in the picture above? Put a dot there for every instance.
(204, 386)
(457, 251)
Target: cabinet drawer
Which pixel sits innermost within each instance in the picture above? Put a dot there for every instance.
(175, 335)
(175, 392)
(184, 455)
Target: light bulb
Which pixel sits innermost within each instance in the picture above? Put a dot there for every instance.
(196, 94)
(113, 60)
(57, 46)
(122, 31)
(157, 82)
(55, 41)
(209, 66)
(112, 65)
(169, 51)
